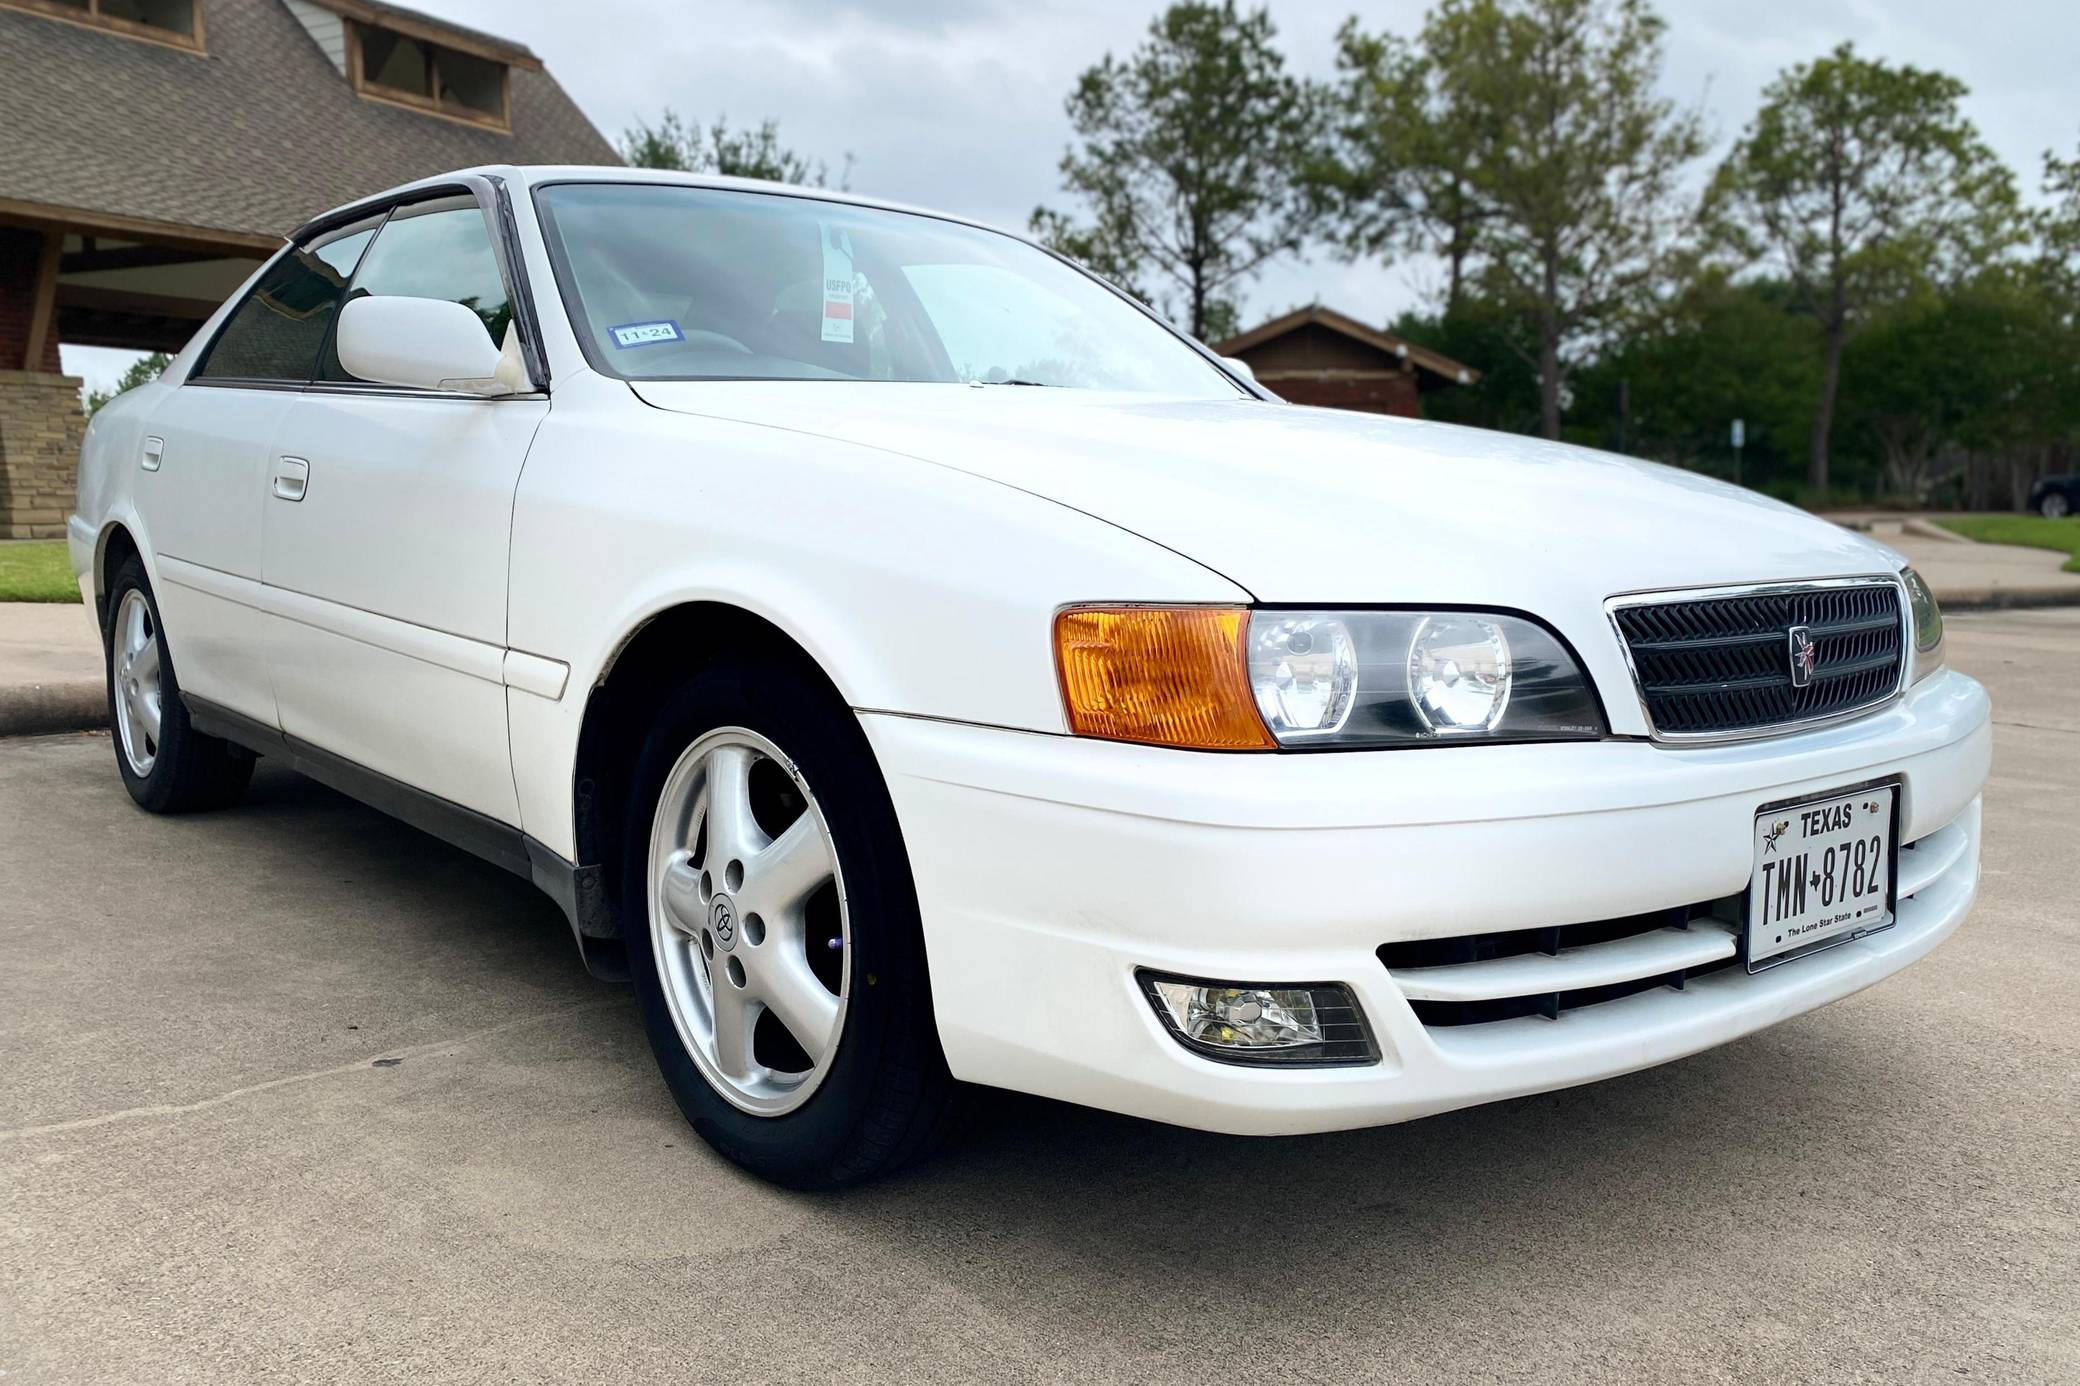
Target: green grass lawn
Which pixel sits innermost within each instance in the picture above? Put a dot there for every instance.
(36, 572)
(2030, 531)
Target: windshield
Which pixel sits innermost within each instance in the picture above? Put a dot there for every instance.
(668, 282)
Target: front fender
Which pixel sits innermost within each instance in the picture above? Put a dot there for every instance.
(917, 588)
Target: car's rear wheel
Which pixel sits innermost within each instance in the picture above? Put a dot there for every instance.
(2055, 506)
(166, 764)
(772, 926)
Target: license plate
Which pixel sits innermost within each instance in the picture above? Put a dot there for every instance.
(1824, 874)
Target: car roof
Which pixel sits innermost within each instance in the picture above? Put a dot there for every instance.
(536, 175)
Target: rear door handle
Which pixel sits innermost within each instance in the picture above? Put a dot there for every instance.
(154, 453)
(292, 478)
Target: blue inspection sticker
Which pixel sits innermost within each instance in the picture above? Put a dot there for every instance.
(635, 334)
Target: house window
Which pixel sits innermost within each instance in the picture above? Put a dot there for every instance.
(162, 21)
(414, 72)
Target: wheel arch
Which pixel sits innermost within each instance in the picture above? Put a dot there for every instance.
(649, 663)
(114, 544)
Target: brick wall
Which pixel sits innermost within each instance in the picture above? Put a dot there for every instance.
(20, 253)
(40, 428)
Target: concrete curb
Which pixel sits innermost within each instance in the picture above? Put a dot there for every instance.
(40, 709)
(1929, 529)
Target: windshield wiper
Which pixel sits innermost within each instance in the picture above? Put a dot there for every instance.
(1036, 384)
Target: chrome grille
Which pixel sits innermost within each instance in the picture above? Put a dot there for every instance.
(1720, 664)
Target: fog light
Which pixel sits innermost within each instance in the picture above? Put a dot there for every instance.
(1300, 1024)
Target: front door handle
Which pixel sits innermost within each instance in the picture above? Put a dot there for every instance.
(292, 478)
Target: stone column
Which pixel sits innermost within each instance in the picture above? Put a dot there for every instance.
(40, 428)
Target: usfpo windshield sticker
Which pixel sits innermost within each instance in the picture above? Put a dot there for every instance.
(635, 334)
(837, 284)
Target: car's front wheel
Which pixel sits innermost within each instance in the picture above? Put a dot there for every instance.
(2055, 506)
(166, 764)
(773, 931)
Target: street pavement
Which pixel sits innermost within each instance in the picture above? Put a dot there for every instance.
(293, 1093)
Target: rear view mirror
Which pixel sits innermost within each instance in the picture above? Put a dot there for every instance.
(426, 344)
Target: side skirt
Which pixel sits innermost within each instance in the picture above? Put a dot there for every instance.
(579, 890)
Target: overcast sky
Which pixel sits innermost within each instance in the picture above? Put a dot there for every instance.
(957, 104)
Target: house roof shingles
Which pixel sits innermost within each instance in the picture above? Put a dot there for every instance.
(250, 139)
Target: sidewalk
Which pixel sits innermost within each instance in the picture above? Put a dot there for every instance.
(51, 676)
(1967, 576)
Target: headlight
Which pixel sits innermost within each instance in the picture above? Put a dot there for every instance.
(1229, 679)
(1304, 673)
(1459, 673)
(1928, 625)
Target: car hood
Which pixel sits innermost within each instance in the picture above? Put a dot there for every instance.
(1301, 505)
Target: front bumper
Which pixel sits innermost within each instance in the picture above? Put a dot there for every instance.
(1050, 869)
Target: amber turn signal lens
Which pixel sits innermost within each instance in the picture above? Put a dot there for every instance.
(1167, 676)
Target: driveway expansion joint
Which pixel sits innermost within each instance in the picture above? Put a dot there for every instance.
(378, 1059)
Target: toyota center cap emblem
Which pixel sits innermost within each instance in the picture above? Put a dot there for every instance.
(722, 920)
(1805, 657)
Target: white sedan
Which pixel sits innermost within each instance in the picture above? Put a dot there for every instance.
(911, 664)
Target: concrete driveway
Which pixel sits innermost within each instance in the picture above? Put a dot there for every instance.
(293, 1093)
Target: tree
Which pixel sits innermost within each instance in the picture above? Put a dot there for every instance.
(747, 152)
(1397, 170)
(1856, 180)
(1188, 148)
(142, 371)
(1482, 334)
(2057, 225)
(1977, 370)
(1716, 351)
(1574, 159)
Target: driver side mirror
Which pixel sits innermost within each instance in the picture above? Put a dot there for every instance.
(426, 344)
(1240, 367)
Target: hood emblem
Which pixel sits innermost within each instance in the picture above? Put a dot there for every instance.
(1805, 657)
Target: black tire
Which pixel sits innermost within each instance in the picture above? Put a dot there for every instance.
(887, 1097)
(2054, 506)
(188, 771)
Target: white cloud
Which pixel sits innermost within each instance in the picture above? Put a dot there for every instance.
(957, 104)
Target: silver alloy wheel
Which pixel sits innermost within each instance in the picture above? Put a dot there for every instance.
(140, 699)
(2055, 506)
(729, 922)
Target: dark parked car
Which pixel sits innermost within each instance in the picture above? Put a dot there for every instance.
(2056, 497)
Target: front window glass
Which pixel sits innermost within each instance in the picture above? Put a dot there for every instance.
(438, 249)
(678, 283)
